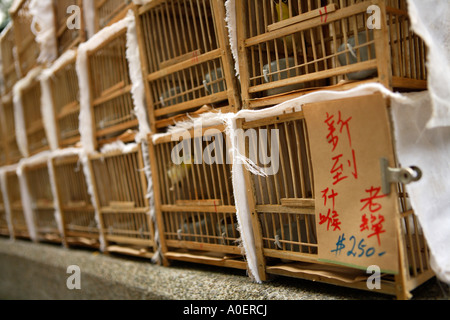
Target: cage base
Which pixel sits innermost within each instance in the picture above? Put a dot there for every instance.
(399, 84)
(349, 278)
(209, 258)
(162, 124)
(4, 233)
(86, 241)
(134, 251)
(50, 238)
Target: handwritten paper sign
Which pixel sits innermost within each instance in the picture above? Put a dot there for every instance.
(356, 222)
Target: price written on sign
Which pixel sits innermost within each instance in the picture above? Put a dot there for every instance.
(356, 224)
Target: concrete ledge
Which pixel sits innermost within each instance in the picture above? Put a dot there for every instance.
(30, 271)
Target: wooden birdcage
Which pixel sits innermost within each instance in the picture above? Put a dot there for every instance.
(112, 106)
(3, 142)
(36, 135)
(18, 221)
(42, 202)
(13, 154)
(75, 205)
(310, 45)
(27, 48)
(65, 94)
(4, 228)
(285, 219)
(187, 63)
(9, 67)
(120, 188)
(70, 30)
(194, 199)
(108, 12)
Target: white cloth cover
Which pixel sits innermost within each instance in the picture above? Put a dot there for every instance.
(428, 149)
(431, 21)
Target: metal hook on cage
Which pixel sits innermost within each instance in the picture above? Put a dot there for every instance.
(397, 175)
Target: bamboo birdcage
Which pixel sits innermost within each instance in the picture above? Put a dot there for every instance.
(42, 202)
(187, 63)
(3, 141)
(112, 105)
(27, 48)
(69, 38)
(194, 200)
(66, 102)
(4, 228)
(9, 68)
(109, 11)
(284, 218)
(18, 221)
(36, 135)
(77, 212)
(120, 188)
(325, 44)
(13, 154)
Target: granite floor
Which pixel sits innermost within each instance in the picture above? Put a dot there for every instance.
(31, 271)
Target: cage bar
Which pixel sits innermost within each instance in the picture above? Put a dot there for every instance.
(194, 198)
(120, 188)
(68, 34)
(4, 228)
(18, 221)
(65, 93)
(284, 219)
(312, 45)
(8, 51)
(12, 151)
(108, 12)
(75, 205)
(112, 106)
(42, 203)
(186, 59)
(34, 124)
(27, 48)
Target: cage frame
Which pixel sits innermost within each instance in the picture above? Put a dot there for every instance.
(43, 211)
(61, 27)
(12, 151)
(179, 111)
(3, 139)
(383, 62)
(9, 61)
(22, 38)
(226, 254)
(400, 285)
(4, 225)
(124, 129)
(69, 110)
(141, 248)
(33, 119)
(17, 213)
(82, 211)
(115, 16)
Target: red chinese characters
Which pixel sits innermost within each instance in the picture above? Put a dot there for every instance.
(374, 222)
(343, 164)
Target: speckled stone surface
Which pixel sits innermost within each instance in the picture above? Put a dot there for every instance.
(39, 272)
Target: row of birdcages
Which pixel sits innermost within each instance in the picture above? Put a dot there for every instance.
(90, 138)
